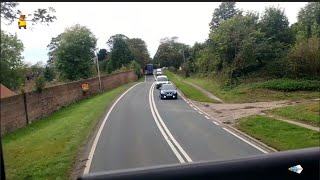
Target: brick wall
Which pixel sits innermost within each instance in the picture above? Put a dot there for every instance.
(39, 105)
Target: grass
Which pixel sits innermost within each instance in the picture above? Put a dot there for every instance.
(278, 134)
(47, 148)
(308, 113)
(249, 92)
(188, 90)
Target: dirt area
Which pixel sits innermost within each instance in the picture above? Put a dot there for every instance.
(230, 113)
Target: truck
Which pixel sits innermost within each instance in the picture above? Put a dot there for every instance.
(149, 69)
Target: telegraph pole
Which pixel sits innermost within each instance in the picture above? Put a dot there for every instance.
(184, 60)
(98, 72)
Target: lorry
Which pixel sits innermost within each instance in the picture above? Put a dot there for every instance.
(149, 69)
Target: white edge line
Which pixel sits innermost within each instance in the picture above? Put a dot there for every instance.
(191, 105)
(215, 123)
(246, 141)
(227, 129)
(168, 132)
(200, 112)
(95, 142)
(207, 117)
(175, 151)
(195, 109)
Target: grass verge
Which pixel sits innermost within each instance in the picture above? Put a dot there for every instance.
(47, 148)
(307, 113)
(249, 92)
(278, 134)
(188, 90)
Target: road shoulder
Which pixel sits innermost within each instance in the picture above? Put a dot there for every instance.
(84, 151)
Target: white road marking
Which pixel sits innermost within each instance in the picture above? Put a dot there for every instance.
(175, 151)
(215, 123)
(208, 115)
(191, 105)
(167, 130)
(200, 112)
(246, 141)
(195, 109)
(95, 142)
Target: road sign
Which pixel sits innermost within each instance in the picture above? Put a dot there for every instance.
(85, 87)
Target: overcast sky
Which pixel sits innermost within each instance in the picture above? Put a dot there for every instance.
(149, 21)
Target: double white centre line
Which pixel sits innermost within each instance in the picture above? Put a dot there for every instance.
(172, 142)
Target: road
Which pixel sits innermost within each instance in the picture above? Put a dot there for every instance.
(141, 130)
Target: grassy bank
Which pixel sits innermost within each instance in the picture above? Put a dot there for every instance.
(307, 113)
(188, 90)
(278, 134)
(249, 92)
(47, 148)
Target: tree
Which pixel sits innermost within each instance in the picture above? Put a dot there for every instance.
(120, 53)
(10, 13)
(170, 52)
(195, 51)
(49, 73)
(309, 21)
(52, 47)
(111, 40)
(139, 50)
(239, 47)
(225, 11)
(275, 24)
(75, 53)
(11, 60)
(102, 54)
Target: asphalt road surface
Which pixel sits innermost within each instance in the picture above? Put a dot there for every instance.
(142, 130)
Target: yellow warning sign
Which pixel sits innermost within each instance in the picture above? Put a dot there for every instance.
(85, 87)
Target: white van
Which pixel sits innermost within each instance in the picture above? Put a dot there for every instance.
(159, 72)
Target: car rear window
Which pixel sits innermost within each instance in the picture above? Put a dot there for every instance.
(167, 87)
(162, 79)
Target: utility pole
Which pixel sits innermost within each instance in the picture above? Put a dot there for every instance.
(184, 60)
(97, 61)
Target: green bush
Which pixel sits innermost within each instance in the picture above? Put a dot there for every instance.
(172, 69)
(136, 67)
(40, 83)
(290, 85)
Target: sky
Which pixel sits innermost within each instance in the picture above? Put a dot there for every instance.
(150, 21)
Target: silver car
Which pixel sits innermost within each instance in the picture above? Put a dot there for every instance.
(161, 80)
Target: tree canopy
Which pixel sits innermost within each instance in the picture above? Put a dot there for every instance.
(11, 60)
(10, 13)
(74, 54)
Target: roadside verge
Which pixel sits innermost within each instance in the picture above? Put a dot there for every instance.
(49, 148)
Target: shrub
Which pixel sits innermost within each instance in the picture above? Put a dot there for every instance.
(290, 85)
(136, 67)
(40, 83)
(172, 69)
(304, 58)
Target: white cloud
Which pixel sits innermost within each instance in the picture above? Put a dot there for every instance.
(148, 21)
